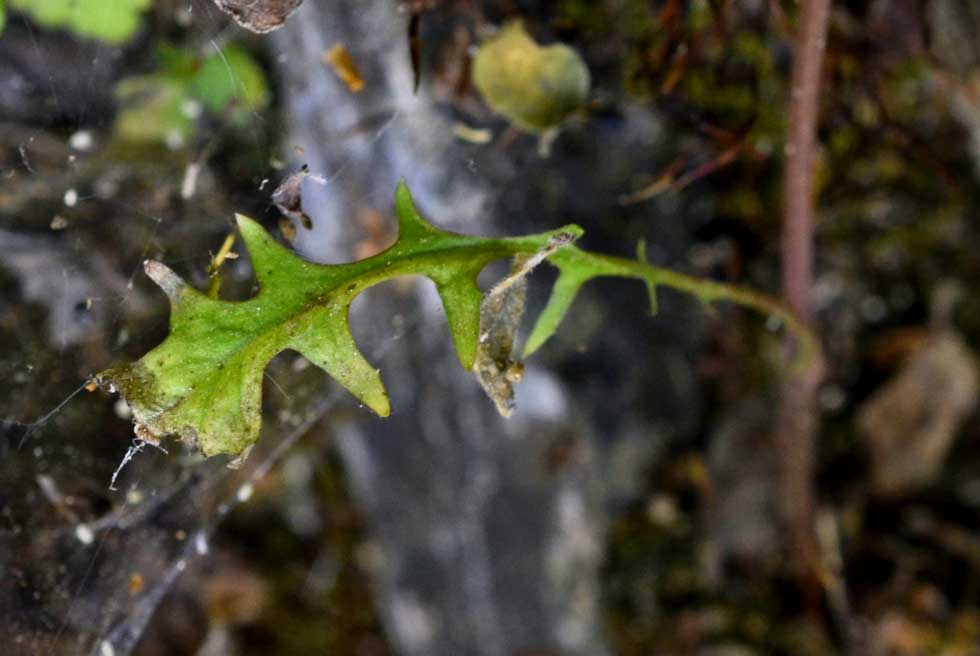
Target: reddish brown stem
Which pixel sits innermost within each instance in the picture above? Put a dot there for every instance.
(798, 419)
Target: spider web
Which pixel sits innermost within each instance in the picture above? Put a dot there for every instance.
(93, 536)
(462, 502)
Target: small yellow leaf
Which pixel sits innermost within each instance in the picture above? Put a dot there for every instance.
(536, 88)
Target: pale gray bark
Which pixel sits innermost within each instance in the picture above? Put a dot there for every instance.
(481, 547)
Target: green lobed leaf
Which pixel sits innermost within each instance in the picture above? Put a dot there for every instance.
(576, 267)
(204, 382)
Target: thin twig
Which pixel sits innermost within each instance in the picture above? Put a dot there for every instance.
(798, 420)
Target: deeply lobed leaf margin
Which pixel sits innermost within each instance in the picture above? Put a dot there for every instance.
(204, 381)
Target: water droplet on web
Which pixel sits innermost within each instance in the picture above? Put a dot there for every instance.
(84, 534)
(81, 140)
(192, 109)
(122, 410)
(245, 492)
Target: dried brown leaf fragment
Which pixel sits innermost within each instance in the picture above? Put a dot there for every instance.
(288, 198)
(259, 16)
(500, 317)
(911, 422)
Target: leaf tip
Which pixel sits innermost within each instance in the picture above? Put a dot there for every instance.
(164, 277)
(411, 223)
(401, 190)
(246, 224)
(382, 407)
(532, 344)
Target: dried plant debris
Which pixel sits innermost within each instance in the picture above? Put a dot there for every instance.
(953, 25)
(911, 422)
(343, 64)
(259, 16)
(288, 197)
(500, 316)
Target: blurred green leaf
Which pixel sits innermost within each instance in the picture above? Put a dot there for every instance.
(154, 111)
(230, 80)
(112, 21)
(163, 107)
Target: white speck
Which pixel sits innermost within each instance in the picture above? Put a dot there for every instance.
(81, 140)
(38, 452)
(174, 139)
(106, 649)
(262, 184)
(189, 184)
(200, 544)
(181, 565)
(773, 323)
(59, 223)
(662, 510)
(84, 534)
(133, 497)
(191, 109)
(414, 621)
(245, 492)
(71, 197)
(121, 408)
